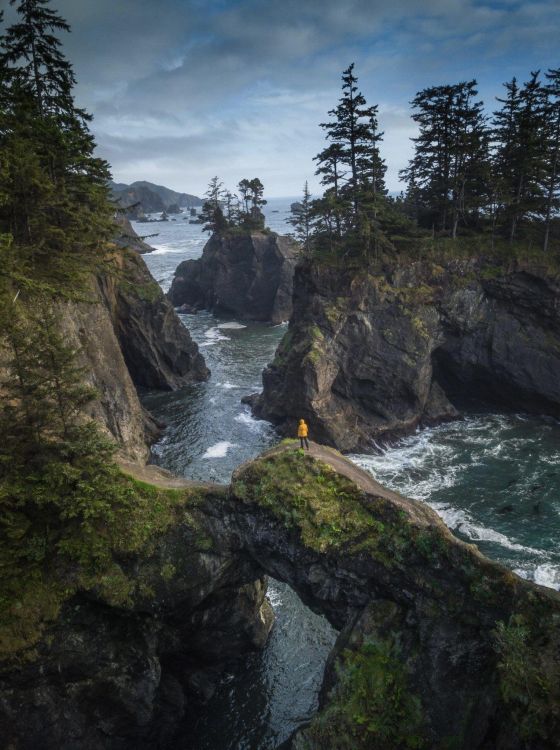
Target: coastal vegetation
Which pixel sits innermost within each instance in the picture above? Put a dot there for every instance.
(224, 211)
(476, 183)
(64, 504)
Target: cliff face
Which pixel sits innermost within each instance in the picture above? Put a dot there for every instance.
(367, 357)
(130, 336)
(249, 275)
(127, 237)
(438, 647)
(140, 645)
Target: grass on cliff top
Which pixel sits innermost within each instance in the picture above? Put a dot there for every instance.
(33, 588)
(331, 512)
(305, 493)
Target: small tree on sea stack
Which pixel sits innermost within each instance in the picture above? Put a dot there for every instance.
(302, 219)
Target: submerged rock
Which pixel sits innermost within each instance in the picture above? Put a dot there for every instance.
(249, 275)
(374, 356)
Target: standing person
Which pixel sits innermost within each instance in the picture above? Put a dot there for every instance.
(302, 431)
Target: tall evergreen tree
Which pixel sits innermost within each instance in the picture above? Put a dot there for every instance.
(56, 201)
(552, 164)
(212, 215)
(349, 130)
(519, 156)
(451, 153)
(302, 219)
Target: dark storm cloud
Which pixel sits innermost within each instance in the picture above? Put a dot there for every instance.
(181, 89)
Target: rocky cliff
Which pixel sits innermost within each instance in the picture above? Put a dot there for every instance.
(373, 356)
(249, 275)
(121, 654)
(127, 237)
(129, 336)
(439, 647)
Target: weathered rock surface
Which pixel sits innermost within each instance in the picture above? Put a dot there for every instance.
(439, 647)
(129, 336)
(126, 659)
(127, 237)
(368, 357)
(249, 275)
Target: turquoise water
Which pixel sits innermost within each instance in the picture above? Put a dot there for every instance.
(494, 479)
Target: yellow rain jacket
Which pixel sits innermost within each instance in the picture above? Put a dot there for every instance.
(302, 429)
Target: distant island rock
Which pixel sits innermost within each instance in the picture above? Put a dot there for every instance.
(248, 274)
(142, 197)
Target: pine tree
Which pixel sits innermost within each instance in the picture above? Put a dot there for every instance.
(552, 165)
(519, 157)
(349, 130)
(451, 152)
(212, 215)
(252, 196)
(57, 201)
(302, 219)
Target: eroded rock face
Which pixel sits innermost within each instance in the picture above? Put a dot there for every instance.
(130, 655)
(156, 346)
(436, 642)
(249, 275)
(129, 336)
(439, 647)
(369, 357)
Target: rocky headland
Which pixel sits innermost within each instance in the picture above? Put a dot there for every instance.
(439, 647)
(127, 236)
(246, 274)
(371, 356)
(129, 336)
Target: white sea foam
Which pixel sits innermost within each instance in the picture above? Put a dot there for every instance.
(227, 385)
(213, 336)
(255, 425)
(545, 575)
(274, 596)
(219, 450)
(232, 326)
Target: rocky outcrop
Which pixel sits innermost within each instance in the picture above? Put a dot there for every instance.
(247, 274)
(373, 356)
(438, 647)
(144, 197)
(156, 346)
(142, 643)
(129, 336)
(127, 237)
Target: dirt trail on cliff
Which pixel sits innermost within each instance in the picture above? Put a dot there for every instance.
(161, 477)
(166, 480)
(363, 479)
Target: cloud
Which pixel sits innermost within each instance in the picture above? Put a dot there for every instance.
(184, 89)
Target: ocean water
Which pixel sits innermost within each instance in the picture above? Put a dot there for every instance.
(494, 479)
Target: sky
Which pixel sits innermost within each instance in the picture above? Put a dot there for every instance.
(182, 90)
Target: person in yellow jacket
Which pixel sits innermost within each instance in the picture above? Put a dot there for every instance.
(302, 431)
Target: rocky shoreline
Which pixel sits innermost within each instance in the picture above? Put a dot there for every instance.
(369, 357)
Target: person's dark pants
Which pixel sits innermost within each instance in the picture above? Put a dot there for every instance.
(306, 443)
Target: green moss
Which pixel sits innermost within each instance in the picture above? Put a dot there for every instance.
(528, 686)
(331, 512)
(284, 349)
(31, 594)
(310, 495)
(374, 707)
(148, 291)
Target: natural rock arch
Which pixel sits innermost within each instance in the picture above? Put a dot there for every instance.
(454, 649)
